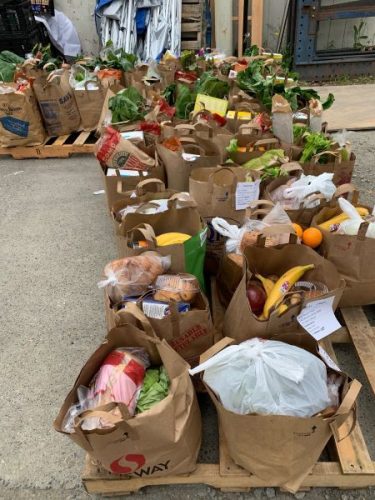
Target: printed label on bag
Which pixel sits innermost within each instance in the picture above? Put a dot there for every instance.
(246, 192)
(318, 318)
(15, 126)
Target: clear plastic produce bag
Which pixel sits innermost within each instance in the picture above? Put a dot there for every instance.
(267, 377)
(132, 275)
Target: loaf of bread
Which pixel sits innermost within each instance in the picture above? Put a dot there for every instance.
(176, 288)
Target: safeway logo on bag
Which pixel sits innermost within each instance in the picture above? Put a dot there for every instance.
(135, 466)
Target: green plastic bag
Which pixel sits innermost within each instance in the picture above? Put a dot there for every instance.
(195, 252)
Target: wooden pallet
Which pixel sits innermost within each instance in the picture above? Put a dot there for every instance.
(351, 466)
(55, 147)
(192, 25)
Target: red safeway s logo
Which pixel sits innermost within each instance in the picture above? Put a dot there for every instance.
(137, 462)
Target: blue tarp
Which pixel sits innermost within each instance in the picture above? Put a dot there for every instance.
(102, 3)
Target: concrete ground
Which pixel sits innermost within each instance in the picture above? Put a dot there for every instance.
(55, 238)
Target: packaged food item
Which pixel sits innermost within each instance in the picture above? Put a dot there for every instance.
(118, 380)
(311, 289)
(176, 287)
(132, 275)
(267, 377)
(158, 309)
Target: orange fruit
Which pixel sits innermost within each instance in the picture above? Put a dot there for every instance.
(312, 237)
(298, 229)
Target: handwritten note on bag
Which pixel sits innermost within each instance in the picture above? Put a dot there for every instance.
(246, 192)
(318, 318)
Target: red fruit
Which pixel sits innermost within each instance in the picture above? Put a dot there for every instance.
(256, 296)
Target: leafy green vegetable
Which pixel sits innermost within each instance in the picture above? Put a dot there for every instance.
(155, 388)
(11, 57)
(116, 58)
(233, 145)
(127, 105)
(298, 132)
(212, 86)
(268, 159)
(188, 60)
(44, 54)
(329, 101)
(272, 173)
(185, 101)
(169, 94)
(314, 143)
(252, 51)
(254, 81)
(7, 71)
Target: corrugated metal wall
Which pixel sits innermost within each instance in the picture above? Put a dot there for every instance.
(332, 34)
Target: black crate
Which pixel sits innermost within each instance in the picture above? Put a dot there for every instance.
(16, 18)
(23, 44)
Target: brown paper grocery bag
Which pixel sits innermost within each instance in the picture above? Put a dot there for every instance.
(90, 104)
(254, 149)
(190, 334)
(214, 190)
(117, 186)
(186, 257)
(57, 103)
(20, 120)
(283, 448)
(133, 446)
(353, 258)
(241, 324)
(342, 169)
(178, 169)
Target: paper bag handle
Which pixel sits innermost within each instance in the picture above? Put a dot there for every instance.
(142, 186)
(347, 189)
(265, 142)
(120, 184)
(348, 404)
(337, 156)
(145, 230)
(220, 169)
(135, 311)
(276, 229)
(219, 346)
(259, 207)
(291, 166)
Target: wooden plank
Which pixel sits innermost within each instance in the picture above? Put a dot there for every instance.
(190, 44)
(189, 27)
(257, 22)
(324, 474)
(59, 141)
(352, 450)
(191, 11)
(235, 18)
(363, 338)
(81, 139)
(241, 7)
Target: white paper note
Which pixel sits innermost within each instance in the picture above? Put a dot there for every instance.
(318, 318)
(246, 192)
(328, 360)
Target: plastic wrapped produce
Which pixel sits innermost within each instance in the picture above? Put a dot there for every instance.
(119, 380)
(267, 377)
(132, 275)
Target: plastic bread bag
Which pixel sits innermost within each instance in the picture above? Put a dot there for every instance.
(247, 235)
(119, 379)
(181, 287)
(132, 275)
(351, 226)
(267, 377)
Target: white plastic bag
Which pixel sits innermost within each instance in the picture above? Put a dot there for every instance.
(252, 229)
(267, 377)
(351, 226)
(306, 185)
